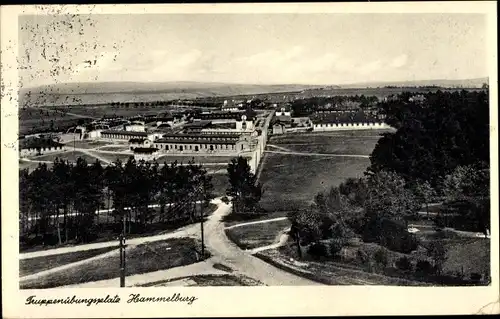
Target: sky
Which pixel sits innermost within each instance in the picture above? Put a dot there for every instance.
(325, 49)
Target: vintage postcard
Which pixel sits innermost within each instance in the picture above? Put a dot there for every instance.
(249, 159)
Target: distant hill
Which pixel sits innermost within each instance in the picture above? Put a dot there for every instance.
(465, 83)
(106, 92)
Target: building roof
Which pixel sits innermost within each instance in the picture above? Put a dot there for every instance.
(129, 133)
(223, 115)
(145, 150)
(203, 136)
(35, 143)
(196, 141)
(198, 124)
(346, 117)
(283, 118)
(137, 140)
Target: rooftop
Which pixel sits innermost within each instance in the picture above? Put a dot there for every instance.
(196, 141)
(137, 140)
(145, 150)
(35, 142)
(129, 133)
(203, 136)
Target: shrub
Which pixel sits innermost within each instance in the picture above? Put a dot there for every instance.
(404, 264)
(438, 251)
(362, 256)
(381, 257)
(391, 234)
(317, 250)
(424, 267)
(336, 247)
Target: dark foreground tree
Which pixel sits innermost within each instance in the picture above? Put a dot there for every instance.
(243, 186)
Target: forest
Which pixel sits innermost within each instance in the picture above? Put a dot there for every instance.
(59, 205)
(438, 154)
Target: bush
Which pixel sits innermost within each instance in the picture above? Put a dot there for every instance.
(404, 264)
(336, 247)
(381, 257)
(391, 234)
(362, 256)
(317, 250)
(424, 267)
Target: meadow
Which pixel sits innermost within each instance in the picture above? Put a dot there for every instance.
(291, 182)
(141, 259)
(327, 143)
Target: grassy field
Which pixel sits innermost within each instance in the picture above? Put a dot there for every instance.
(38, 264)
(31, 119)
(326, 143)
(86, 144)
(291, 182)
(140, 259)
(235, 219)
(111, 157)
(315, 173)
(115, 148)
(468, 256)
(71, 156)
(257, 235)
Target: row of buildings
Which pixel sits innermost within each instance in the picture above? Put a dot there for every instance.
(327, 119)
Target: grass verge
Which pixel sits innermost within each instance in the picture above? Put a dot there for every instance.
(140, 259)
(38, 264)
(257, 235)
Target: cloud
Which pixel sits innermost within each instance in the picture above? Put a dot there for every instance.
(399, 61)
(370, 67)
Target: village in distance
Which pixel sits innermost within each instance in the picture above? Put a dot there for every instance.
(314, 187)
(190, 154)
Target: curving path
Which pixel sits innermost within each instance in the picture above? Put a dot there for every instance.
(228, 253)
(223, 250)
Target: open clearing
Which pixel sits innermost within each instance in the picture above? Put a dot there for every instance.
(235, 219)
(38, 264)
(326, 144)
(86, 144)
(291, 182)
(257, 235)
(71, 156)
(140, 259)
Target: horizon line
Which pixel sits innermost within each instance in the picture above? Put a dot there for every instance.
(259, 84)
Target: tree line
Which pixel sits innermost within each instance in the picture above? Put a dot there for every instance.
(306, 106)
(59, 204)
(439, 152)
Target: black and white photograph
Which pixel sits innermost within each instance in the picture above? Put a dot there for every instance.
(209, 149)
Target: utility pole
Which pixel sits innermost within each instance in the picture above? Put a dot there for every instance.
(122, 256)
(202, 232)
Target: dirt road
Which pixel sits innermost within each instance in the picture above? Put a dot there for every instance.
(230, 254)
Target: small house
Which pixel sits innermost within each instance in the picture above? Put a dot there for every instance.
(138, 143)
(145, 153)
(38, 146)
